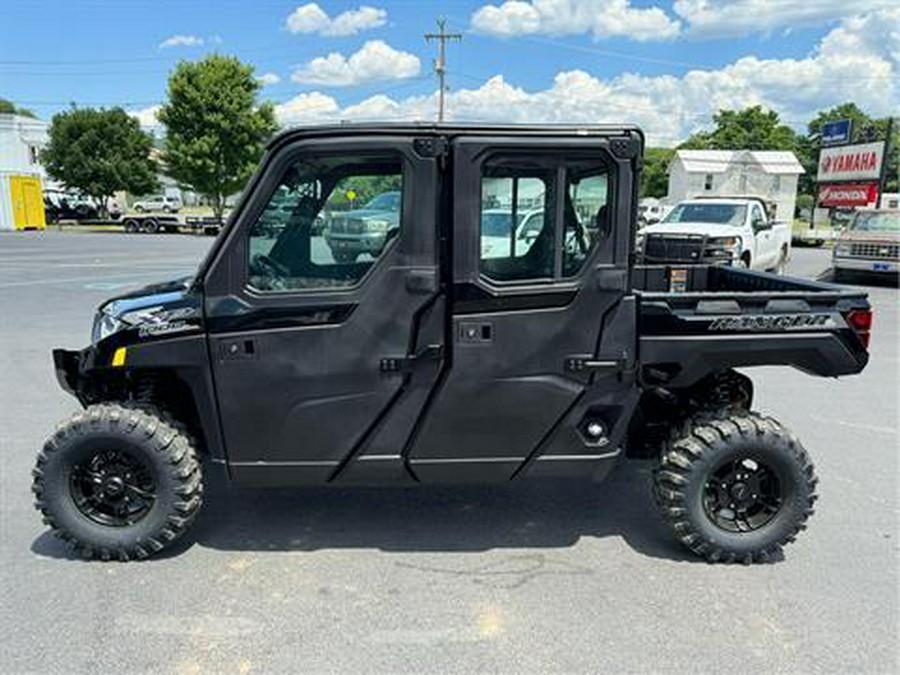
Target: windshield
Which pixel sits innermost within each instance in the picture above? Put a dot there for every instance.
(718, 214)
(874, 221)
(497, 224)
(386, 201)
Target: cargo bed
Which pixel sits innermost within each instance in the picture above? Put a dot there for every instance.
(696, 318)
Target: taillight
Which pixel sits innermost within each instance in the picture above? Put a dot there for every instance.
(861, 321)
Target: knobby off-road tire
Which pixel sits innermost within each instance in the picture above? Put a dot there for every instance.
(735, 487)
(118, 482)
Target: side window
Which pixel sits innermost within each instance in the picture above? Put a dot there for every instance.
(516, 227)
(520, 225)
(588, 221)
(326, 223)
(756, 215)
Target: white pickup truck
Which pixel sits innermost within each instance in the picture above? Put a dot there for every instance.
(730, 231)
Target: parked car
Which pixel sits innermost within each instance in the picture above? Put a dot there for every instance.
(871, 243)
(73, 205)
(350, 234)
(734, 231)
(651, 212)
(164, 203)
(271, 367)
(495, 231)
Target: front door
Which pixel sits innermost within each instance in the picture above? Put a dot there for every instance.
(530, 304)
(325, 315)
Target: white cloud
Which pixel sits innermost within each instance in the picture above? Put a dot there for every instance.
(147, 118)
(726, 18)
(600, 18)
(376, 61)
(311, 108)
(857, 61)
(268, 78)
(181, 41)
(311, 18)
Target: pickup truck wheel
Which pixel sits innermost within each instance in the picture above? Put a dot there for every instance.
(736, 487)
(118, 482)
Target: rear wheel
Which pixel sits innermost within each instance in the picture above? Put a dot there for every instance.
(132, 226)
(150, 226)
(118, 482)
(736, 487)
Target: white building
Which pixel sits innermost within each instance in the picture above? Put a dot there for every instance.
(769, 174)
(21, 174)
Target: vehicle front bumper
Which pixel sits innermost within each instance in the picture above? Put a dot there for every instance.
(68, 366)
(357, 243)
(874, 265)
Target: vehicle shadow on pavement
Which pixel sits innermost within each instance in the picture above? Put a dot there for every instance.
(535, 514)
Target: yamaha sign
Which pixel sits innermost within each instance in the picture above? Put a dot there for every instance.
(850, 162)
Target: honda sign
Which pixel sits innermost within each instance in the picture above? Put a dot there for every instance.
(848, 194)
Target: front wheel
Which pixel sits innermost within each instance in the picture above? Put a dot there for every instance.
(736, 487)
(118, 482)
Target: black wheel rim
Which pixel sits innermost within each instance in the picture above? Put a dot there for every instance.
(743, 495)
(113, 488)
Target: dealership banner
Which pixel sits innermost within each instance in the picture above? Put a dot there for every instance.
(850, 162)
(836, 132)
(848, 194)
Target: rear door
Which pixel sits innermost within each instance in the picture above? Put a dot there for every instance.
(527, 317)
(321, 366)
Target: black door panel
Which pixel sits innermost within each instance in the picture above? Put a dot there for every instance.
(314, 392)
(509, 387)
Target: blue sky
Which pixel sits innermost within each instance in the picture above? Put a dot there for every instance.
(665, 65)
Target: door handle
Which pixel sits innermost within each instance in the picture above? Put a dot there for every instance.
(403, 364)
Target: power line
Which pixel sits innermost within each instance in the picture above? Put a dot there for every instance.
(440, 64)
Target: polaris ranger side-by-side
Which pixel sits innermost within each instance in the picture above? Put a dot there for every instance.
(430, 361)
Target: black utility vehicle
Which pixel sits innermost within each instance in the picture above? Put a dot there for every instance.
(434, 362)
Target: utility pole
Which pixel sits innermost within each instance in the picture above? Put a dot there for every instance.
(885, 159)
(440, 64)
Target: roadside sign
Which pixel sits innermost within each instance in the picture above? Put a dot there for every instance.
(836, 132)
(848, 194)
(850, 162)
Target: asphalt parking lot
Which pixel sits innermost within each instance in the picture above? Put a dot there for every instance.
(537, 578)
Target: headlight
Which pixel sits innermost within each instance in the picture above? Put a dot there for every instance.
(376, 225)
(730, 243)
(843, 248)
(106, 323)
(104, 326)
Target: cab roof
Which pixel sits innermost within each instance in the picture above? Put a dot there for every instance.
(453, 129)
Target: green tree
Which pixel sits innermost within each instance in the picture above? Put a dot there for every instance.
(215, 129)
(99, 151)
(752, 128)
(10, 108)
(655, 175)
